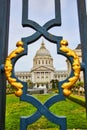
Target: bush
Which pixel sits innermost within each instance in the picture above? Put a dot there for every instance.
(9, 89)
(78, 100)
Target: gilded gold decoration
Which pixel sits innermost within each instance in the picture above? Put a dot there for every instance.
(75, 66)
(9, 67)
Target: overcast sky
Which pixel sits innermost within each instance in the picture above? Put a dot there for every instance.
(41, 11)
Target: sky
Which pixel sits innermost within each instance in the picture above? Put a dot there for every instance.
(42, 11)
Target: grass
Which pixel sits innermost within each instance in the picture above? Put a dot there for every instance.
(75, 113)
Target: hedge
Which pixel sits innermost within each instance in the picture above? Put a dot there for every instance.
(78, 99)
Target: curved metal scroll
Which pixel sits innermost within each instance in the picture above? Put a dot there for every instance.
(63, 47)
(9, 68)
(75, 66)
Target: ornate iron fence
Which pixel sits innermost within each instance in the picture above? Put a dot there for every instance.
(62, 48)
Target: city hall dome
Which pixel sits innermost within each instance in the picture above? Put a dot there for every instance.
(43, 51)
(43, 57)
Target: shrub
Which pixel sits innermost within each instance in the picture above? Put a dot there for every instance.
(78, 100)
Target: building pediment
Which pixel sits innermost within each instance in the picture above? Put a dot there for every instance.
(42, 68)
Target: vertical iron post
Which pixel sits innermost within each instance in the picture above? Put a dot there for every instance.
(81, 5)
(4, 30)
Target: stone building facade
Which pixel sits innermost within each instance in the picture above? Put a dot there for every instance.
(43, 70)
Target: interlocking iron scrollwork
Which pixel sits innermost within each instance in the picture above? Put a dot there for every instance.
(42, 109)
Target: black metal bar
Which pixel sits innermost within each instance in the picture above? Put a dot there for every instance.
(58, 11)
(4, 27)
(81, 5)
(24, 11)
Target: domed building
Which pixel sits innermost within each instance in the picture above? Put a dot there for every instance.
(43, 70)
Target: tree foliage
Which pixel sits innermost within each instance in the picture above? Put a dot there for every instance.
(30, 84)
(54, 83)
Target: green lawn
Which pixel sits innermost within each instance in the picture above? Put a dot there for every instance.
(76, 114)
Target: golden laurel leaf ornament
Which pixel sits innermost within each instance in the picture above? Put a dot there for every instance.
(9, 67)
(75, 66)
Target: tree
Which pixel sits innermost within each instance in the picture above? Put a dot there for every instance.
(54, 83)
(9, 89)
(30, 84)
(78, 86)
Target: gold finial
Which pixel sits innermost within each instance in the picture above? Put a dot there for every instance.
(9, 67)
(64, 42)
(42, 44)
(75, 66)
